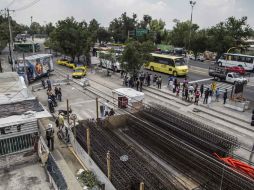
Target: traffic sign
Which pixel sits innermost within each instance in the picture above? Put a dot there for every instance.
(140, 32)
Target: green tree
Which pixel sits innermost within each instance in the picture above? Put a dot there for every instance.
(199, 42)
(71, 38)
(36, 28)
(135, 55)
(179, 36)
(93, 28)
(103, 35)
(120, 27)
(49, 28)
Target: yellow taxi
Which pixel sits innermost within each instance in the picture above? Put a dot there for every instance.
(61, 61)
(70, 65)
(79, 72)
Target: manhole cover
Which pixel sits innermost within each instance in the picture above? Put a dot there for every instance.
(124, 158)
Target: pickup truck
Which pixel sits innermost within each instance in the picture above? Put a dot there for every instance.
(222, 74)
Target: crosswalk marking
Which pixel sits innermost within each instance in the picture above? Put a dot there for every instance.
(220, 85)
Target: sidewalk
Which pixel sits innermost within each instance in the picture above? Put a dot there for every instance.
(65, 160)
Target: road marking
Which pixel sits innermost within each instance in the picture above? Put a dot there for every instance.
(201, 80)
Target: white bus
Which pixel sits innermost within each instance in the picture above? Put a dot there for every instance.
(110, 64)
(232, 59)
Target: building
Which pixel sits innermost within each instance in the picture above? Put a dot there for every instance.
(20, 111)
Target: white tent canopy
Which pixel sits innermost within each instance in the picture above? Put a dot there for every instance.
(131, 94)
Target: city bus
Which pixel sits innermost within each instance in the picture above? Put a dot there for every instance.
(232, 59)
(173, 65)
(110, 62)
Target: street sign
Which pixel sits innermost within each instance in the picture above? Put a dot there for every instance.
(140, 32)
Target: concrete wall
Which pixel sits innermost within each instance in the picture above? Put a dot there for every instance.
(90, 164)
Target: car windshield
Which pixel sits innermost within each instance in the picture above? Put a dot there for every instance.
(179, 62)
(235, 75)
(78, 70)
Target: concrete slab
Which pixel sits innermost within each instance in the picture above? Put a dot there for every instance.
(28, 176)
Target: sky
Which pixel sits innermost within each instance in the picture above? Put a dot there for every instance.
(206, 13)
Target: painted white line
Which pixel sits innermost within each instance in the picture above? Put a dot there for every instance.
(201, 80)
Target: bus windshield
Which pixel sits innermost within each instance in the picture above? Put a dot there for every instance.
(179, 62)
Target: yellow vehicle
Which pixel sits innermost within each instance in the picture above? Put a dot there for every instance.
(62, 61)
(79, 72)
(70, 65)
(173, 65)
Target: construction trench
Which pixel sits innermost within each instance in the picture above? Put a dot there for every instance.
(163, 149)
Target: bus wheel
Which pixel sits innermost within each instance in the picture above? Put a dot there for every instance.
(175, 74)
(151, 68)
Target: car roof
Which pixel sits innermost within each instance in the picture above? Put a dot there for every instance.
(236, 54)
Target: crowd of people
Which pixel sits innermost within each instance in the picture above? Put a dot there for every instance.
(142, 79)
(52, 96)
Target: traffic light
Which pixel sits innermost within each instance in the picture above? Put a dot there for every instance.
(252, 118)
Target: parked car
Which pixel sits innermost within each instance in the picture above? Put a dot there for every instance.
(198, 58)
(236, 69)
(79, 72)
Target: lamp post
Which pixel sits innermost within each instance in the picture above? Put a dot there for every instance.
(192, 3)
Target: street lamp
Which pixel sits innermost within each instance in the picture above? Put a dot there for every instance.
(192, 3)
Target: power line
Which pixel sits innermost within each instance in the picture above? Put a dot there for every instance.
(27, 6)
(10, 4)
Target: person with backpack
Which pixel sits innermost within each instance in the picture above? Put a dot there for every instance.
(50, 136)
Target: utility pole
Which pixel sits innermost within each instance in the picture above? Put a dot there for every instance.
(192, 3)
(25, 69)
(11, 40)
(32, 34)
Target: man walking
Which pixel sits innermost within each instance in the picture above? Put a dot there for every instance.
(217, 94)
(159, 80)
(206, 96)
(225, 96)
(50, 136)
(201, 90)
(49, 84)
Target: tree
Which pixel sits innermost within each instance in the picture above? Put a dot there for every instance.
(230, 33)
(36, 28)
(199, 42)
(157, 29)
(179, 36)
(135, 55)
(103, 35)
(71, 38)
(49, 28)
(145, 22)
(93, 28)
(120, 27)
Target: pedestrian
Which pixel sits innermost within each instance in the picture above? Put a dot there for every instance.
(57, 122)
(137, 84)
(159, 80)
(197, 95)
(186, 93)
(217, 94)
(206, 96)
(196, 88)
(174, 85)
(185, 82)
(51, 105)
(56, 92)
(61, 121)
(106, 108)
(225, 96)
(141, 85)
(112, 112)
(177, 89)
(49, 84)
(59, 94)
(43, 83)
(191, 94)
(102, 109)
(201, 90)
(148, 79)
(155, 79)
(213, 87)
(50, 136)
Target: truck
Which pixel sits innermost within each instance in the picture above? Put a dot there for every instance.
(223, 74)
(35, 66)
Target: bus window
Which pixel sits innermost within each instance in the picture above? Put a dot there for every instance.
(229, 58)
(171, 63)
(249, 60)
(163, 61)
(179, 62)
